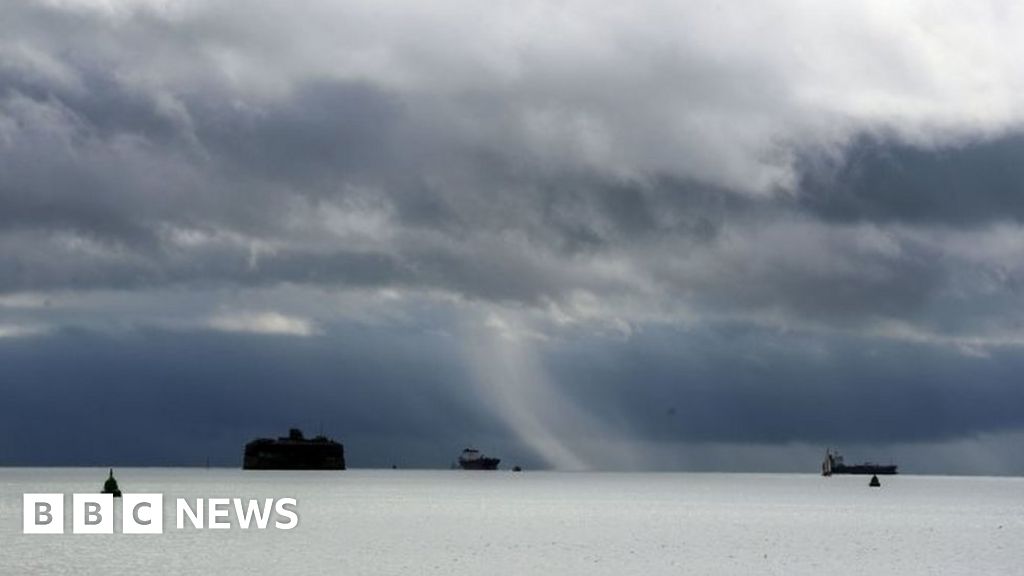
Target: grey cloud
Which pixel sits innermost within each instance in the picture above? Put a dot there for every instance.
(969, 184)
(604, 175)
(738, 385)
(405, 396)
(156, 397)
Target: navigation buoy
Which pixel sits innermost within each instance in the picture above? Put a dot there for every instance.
(110, 486)
(874, 482)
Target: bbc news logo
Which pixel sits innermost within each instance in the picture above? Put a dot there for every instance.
(144, 513)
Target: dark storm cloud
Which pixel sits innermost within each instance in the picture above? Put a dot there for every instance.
(572, 192)
(747, 386)
(970, 184)
(178, 398)
(109, 162)
(155, 397)
(325, 131)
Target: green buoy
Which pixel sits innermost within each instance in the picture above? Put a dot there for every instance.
(110, 486)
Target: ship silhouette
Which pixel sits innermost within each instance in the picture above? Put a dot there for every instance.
(833, 464)
(472, 459)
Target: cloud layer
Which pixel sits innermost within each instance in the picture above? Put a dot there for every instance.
(547, 184)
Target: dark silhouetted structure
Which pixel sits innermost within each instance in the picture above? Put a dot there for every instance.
(833, 464)
(874, 482)
(110, 486)
(294, 452)
(472, 459)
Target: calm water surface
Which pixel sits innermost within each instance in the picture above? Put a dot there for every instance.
(454, 522)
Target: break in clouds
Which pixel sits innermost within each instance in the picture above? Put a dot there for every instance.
(656, 235)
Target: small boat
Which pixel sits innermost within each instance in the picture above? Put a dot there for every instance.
(472, 459)
(110, 486)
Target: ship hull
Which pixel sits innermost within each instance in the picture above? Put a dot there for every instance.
(865, 469)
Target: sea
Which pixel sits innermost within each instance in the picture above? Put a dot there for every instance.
(452, 522)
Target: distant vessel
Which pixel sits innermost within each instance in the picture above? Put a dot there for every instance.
(472, 459)
(833, 464)
(294, 452)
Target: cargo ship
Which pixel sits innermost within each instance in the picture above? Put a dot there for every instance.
(294, 452)
(472, 459)
(833, 464)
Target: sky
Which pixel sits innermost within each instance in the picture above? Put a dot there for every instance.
(643, 236)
